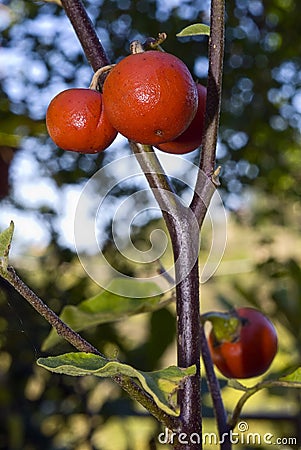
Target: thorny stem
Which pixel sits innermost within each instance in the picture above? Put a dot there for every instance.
(81, 344)
(189, 341)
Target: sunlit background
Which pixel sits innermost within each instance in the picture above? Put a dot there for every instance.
(40, 187)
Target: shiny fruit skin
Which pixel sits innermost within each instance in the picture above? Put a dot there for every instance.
(252, 353)
(192, 137)
(76, 121)
(150, 97)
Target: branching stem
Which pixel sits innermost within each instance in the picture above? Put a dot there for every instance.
(133, 389)
(183, 224)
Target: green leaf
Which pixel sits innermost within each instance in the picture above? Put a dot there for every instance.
(293, 379)
(161, 385)
(5, 243)
(58, 2)
(109, 307)
(236, 385)
(196, 29)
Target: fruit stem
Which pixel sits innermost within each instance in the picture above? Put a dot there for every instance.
(225, 325)
(249, 392)
(136, 47)
(155, 44)
(86, 33)
(149, 44)
(240, 404)
(99, 76)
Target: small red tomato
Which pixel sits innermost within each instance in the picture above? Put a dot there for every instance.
(252, 352)
(150, 97)
(76, 120)
(193, 135)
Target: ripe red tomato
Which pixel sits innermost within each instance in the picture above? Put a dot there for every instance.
(76, 121)
(193, 135)
(150, 97)
(252, 352)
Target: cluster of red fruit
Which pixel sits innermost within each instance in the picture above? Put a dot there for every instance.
(148, 97)
(151, 98)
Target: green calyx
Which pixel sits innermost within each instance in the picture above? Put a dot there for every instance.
(225, 326)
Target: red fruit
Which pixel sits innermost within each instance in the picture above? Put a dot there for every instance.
(150, 97)
(192, 137)
(76, 121)
(253, 350)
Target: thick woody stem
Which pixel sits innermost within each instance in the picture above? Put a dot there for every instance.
(184, 233)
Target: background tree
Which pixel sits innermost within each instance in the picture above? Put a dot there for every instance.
(258, 152)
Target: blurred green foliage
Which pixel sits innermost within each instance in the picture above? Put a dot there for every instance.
(259, 151)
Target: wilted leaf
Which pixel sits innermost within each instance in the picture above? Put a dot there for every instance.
(196, 29)
(161, 384)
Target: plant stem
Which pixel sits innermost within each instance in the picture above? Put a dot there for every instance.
(184, 234)
(183, 231)
(214, 86)
(126, 383)
(97, 58)
(61, 328)
(189, 337)
(86, 33)
(206, 180)
(246, 395)
(162, 189)
(188, 344)
(214, 388)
